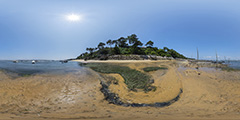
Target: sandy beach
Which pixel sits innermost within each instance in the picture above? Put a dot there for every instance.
(207, 93)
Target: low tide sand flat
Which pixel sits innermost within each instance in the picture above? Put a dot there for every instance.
(212, 94)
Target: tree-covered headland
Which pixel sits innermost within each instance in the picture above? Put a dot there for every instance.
(127, 46)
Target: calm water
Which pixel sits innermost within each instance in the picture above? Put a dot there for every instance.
(41, 66)
(234, 64)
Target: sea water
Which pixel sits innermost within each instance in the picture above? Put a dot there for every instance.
(25, 67)
(234, 64)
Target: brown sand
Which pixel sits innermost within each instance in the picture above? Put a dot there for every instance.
(168, 86)
(213, 94)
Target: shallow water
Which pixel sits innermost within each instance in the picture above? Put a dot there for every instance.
(206, 69)
(26, 67)
(234, 64)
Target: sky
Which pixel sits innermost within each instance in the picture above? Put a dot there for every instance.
(41, 29)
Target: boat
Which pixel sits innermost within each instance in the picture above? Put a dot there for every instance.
(33, 61)
(15, 61)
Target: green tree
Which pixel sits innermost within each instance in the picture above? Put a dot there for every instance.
(148, 51)
(101, 45)
(137, 43)
(153, 53)
(90, 50)
(149, 43)
(165, 49)
(133, 40)
(122, 42)
(168, 55)
(175, 54)
(115, 42)
(83, 55)
(162, 53)
(116, 50)
(110, 43)
(104, 51)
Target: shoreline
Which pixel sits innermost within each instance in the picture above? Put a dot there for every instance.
(116, 61)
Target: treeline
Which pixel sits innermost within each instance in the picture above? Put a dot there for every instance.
(127, 46)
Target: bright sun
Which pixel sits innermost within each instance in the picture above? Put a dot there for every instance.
(74, 17)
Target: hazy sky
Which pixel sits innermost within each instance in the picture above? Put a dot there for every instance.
(39, 29)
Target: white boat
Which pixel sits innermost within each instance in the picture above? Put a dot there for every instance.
(33, 61)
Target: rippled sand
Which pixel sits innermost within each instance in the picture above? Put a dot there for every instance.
(207, 94)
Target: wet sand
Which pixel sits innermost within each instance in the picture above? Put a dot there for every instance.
(207, 94)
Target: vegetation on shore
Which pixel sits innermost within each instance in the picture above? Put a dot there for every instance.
(127, 46)
(134, 79)
(149, 69)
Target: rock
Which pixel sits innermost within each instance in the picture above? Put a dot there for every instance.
(138, 57)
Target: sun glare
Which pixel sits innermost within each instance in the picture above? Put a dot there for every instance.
(73, 17)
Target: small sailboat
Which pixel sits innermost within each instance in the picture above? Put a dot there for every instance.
(15, 61)
(33, 61)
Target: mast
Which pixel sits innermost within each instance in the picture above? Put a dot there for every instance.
(216, 57)
(197, 54)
